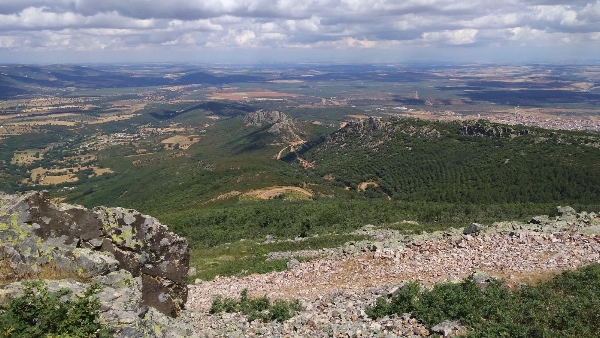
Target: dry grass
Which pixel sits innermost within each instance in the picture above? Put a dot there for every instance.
(273, 192)
(102, 171)
(113, 118)
(49, 180)
(13, 129)
(363, 186)
(48, 271)
(532, 278)
(184, 141)
(8, 116)
(25, 157)
(64, 175)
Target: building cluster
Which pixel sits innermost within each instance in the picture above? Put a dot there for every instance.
(546, 122)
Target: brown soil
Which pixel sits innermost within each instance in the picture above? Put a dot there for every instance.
(272, 192)
(363, 186)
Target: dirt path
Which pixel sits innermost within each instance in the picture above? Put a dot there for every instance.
(281, 152)
(292, 146)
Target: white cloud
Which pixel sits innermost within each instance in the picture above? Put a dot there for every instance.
(456, 37)
(8, 42)
(243, 38)
(350, 24)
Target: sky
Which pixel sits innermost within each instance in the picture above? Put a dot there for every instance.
(250, 31)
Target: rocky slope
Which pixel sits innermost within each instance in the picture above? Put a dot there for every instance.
(336, 288)
(287, 129)
(143, 268)
(141, 263)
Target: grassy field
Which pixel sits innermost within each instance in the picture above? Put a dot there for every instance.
(246, 257)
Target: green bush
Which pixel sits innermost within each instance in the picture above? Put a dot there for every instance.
(40, 313)
(256, 308)
(566, 306)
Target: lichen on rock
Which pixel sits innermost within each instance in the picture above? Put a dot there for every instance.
(140, 261)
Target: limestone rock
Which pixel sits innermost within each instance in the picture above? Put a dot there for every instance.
(481, 277)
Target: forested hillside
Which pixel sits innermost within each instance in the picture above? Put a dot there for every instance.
(474, 162)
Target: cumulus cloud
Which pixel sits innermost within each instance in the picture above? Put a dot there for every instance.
(456, 37)
(255, 24)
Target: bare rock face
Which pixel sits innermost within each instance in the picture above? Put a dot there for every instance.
(287, 128)
(487, 129)
(35, 233)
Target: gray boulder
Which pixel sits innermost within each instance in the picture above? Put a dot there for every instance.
(481, 277)
(566, 211)
(449, 328)
(37, 235)
(292, 263)
(121, 306)
(473, 228)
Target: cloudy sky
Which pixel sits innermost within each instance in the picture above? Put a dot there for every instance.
(46, 31)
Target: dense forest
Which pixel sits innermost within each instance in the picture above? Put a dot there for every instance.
(472, 162)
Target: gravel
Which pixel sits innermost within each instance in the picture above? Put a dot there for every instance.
(335, 289)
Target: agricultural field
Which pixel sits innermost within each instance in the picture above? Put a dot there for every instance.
(25, 157)
(180, 141)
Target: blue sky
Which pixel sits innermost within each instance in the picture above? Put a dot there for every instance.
(49, 31)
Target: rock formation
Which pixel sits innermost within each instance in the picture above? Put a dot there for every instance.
(143, 265)
(287, 128)
(488, 129)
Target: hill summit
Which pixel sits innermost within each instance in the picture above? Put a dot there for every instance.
(282, 125)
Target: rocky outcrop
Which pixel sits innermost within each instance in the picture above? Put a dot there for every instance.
(370, 133)
(484, 128)
(282, 125)
(121, 248)
(385, 240)
(122, 309)
(258, 118)
(335, 290)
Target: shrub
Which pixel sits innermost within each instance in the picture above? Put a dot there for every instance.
(40, 313)
(259, 308)
(566, 306)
